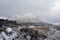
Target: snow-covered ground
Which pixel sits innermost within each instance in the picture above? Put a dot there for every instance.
(13, 34)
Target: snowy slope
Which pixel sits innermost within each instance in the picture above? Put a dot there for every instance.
(27, 18)
(3, 17)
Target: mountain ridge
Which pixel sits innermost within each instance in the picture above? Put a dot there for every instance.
(27, 18)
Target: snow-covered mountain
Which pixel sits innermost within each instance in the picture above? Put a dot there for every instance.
(27, 18)
(3, 17)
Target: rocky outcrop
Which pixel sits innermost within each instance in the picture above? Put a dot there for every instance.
(7, 22)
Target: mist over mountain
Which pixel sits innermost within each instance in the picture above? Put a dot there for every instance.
(30, 19)
(3, 18)
(27, 18)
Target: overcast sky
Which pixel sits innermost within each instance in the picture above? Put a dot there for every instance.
(47, 9)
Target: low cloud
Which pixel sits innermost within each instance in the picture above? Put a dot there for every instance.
(47, 9)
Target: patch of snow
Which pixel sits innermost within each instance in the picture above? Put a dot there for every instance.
(9, 29)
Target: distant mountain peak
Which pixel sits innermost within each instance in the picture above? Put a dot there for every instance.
(27, 18)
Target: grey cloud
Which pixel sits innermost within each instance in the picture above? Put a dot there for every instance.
(39, 8)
